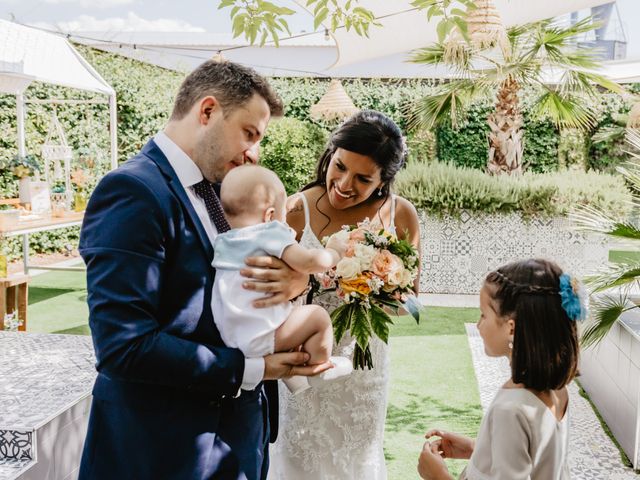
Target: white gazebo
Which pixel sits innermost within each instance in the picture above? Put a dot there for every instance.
(28, 54)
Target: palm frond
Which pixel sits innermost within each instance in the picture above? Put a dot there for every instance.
(577, 82)
(588, 218)
(633, 138)
(564, 36)
(522, 72)
(602, 81)
(604, 313)
(431, 55)
(449, 103)
(614, 275)
(565, 110)
(581, 58)
(553, 42)
(631, 173)
(436, 54)
(608, 133)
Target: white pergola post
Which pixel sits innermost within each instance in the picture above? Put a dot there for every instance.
(22, 148)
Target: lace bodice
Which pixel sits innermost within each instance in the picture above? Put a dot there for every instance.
(334, 432)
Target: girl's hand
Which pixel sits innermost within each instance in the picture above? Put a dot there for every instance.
(431, 466)
(451, 445)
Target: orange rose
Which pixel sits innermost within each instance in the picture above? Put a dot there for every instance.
(385, 263)
(358, 285)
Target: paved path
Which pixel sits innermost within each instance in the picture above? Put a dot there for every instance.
(592, 454)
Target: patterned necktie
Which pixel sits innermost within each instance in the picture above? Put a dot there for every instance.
(204, 190)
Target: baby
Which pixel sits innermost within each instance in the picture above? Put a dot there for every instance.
(253, 199)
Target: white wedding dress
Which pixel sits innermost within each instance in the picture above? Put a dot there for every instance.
(334, 432)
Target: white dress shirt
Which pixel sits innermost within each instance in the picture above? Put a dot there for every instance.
(189, 174)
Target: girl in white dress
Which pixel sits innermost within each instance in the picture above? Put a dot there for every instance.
(528, 311)
(336, 431)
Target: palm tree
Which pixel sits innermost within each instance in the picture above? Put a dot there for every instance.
(532, 52)
(625, 274)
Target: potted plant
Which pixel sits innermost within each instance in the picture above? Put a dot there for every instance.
(23, 167)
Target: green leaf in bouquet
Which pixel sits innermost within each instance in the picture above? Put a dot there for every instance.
(380, 321)
(362, 358)
(413, 306)
(360, 326)
(341, 318)
(387, 301)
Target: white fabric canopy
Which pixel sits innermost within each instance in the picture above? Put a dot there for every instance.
(405, 28)
(28, 54)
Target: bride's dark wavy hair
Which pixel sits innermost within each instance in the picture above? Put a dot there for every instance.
(368, 133)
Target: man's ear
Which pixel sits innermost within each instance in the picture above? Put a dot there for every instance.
(208, 106)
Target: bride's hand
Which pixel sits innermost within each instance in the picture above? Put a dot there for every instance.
(274, 278)
(451, 445)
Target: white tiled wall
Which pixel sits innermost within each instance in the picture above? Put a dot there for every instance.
(458, 252)
(610, 373)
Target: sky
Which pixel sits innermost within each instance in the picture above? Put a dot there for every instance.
(196, 16)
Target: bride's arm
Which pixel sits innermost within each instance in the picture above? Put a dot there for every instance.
(407, 225)
(295, 214)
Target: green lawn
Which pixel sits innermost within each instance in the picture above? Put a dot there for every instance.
(432, 379)
(624, 256)
(432, 385)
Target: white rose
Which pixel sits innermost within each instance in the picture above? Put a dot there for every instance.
(365, 254)
(348, 267)
(407, 279)
(396, 277)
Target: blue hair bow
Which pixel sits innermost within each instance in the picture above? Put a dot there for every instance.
(571, 301)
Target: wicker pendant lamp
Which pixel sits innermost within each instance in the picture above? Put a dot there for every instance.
(634, 116)
(485, 27)
(334, 105)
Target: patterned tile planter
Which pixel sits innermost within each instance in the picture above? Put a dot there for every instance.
(457, 252)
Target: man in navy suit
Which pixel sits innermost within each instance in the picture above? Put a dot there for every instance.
(170, 400)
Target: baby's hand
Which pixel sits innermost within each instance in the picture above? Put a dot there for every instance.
(338, 243)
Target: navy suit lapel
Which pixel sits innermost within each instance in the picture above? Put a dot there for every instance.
(152, 151)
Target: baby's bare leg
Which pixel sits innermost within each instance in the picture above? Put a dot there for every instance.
(309, 326)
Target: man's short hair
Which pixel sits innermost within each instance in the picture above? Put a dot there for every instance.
(233, 85)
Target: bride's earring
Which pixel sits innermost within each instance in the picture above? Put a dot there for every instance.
(380, 192)
(510, 344)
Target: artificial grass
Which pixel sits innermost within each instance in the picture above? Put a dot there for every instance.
(432, 383)
(626, 256)
(58, 303)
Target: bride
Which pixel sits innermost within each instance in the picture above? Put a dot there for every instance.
(336, 431)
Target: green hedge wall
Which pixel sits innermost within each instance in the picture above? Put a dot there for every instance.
(145, 96)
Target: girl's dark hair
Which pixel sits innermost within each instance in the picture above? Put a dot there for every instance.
(367, 133)
(545, 341)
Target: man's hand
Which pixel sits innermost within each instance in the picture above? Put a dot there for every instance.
(283, 365)
(274, 278)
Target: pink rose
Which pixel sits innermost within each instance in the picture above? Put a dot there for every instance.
(385, 263)
(357, 235)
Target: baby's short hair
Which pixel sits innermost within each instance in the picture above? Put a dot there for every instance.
(249, 188)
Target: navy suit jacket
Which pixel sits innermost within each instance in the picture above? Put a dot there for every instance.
(163, 402)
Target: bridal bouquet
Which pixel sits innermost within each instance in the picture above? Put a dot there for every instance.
(377, 271)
